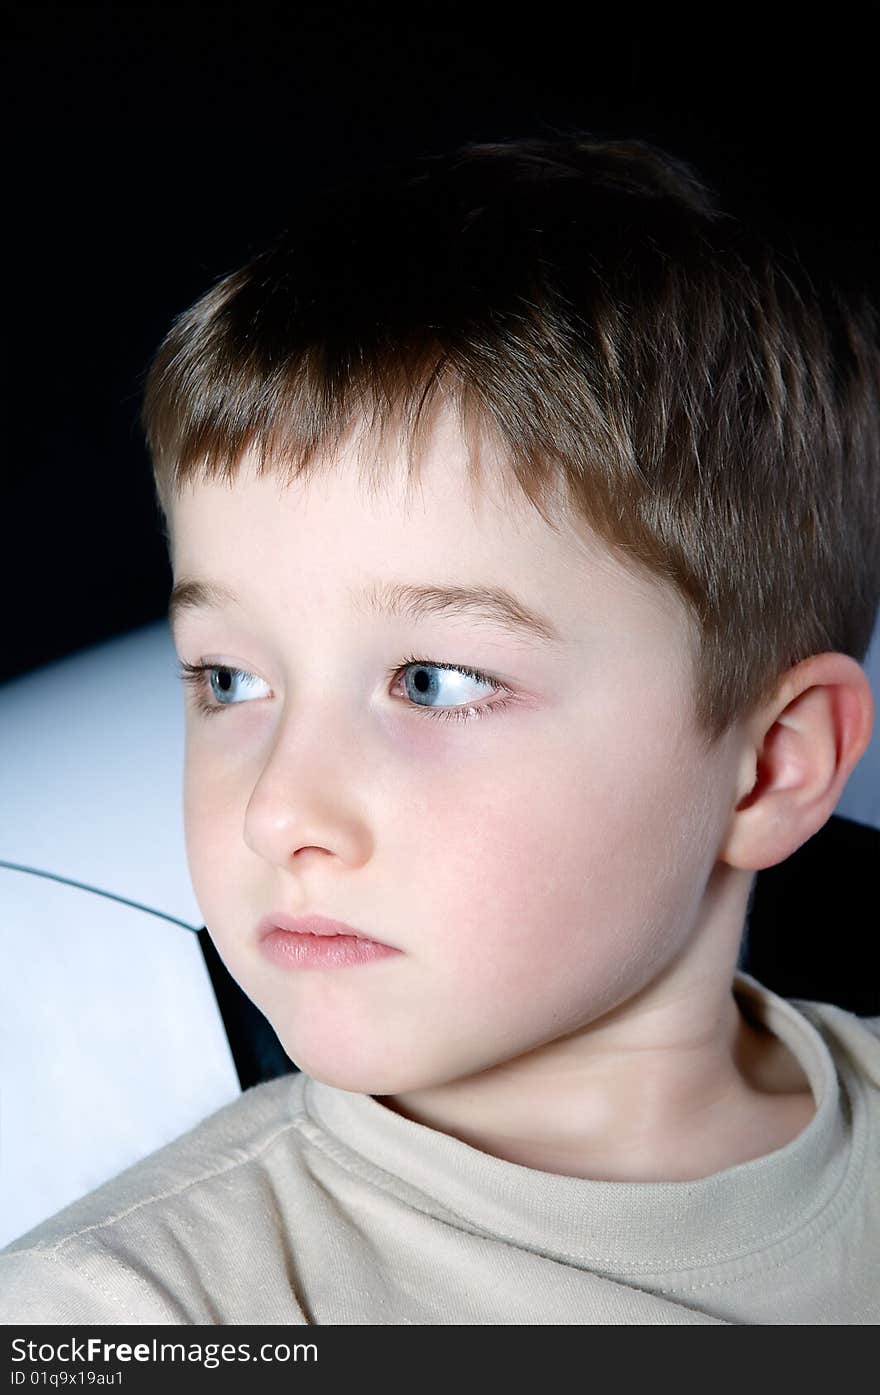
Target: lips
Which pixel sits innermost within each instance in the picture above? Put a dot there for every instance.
(309, 925)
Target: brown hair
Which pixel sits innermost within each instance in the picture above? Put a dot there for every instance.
(707, 407)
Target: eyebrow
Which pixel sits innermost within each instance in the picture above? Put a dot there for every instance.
(402, 599)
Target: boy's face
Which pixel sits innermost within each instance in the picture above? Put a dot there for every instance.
(537, 868)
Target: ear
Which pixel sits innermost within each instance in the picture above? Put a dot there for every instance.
(797, 756)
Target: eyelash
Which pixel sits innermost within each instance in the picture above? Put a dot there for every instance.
(195, 676)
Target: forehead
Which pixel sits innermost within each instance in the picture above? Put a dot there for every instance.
(371, 482)
(360, 514)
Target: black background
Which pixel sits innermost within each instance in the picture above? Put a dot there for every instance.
(149, 150)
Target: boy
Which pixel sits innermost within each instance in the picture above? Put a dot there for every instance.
(532, 441)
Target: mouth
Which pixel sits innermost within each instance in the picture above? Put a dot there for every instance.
(312, 925)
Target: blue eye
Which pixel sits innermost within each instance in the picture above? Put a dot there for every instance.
(199, 678)
(465, 712)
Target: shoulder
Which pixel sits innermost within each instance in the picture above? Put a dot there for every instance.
(130, 1251)
(853, 1041)
(40, 1288)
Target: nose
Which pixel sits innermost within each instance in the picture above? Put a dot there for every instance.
(306, 802)
(283, 824)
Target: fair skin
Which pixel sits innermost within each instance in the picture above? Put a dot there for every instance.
(566, 879)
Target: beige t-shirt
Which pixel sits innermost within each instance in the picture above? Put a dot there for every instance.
(306, 1204)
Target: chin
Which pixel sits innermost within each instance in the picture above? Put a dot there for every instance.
(359, 1076)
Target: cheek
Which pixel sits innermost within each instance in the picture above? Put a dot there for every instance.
(597, 846)
(213, 836)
